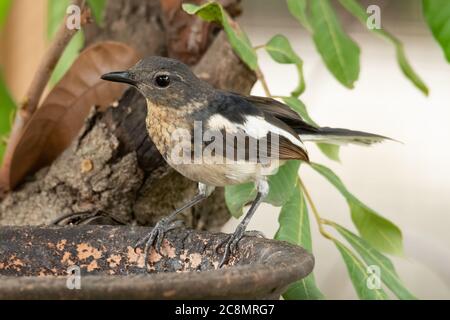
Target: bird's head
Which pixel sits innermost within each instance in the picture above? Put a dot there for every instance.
(163, 81)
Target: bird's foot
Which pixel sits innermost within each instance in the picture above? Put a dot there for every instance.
(232, 242)
(156, 236)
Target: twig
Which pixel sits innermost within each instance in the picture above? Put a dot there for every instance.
(261, 78)
(320, 222)
(46, 67)
(48, 63)
(40, 80)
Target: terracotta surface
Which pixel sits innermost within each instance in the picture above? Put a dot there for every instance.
(34, 262)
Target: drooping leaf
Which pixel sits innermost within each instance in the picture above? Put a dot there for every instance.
(372, 256)
(294, 228)
(437, 16)
(61, 116)
(359, 275)
(305, 289)
(97, 8)
(281, 51)
(213, 12)
(339, 52)
(4, 10)
(375, 229)
(329, 150)
(7, 107)
(237, 196)
(294, 221)
(283, 183)
(358, 11)
(298, 106)
(298, 9)
(281, 186)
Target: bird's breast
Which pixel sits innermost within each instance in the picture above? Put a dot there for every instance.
(162, 122)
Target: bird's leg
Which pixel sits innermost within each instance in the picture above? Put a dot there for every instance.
(155, 237)
(231, 243)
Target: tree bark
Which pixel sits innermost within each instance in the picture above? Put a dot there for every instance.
(113, 166)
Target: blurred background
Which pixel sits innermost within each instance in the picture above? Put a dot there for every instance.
(408, 183)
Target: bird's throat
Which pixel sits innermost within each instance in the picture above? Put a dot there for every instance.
(161, 124)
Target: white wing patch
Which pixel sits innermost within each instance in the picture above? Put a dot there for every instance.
(254, 126)
(258, 128)
(219, 122)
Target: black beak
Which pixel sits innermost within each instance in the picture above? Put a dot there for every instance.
(120, 76)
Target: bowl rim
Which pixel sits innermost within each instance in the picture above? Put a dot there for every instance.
(279, 264)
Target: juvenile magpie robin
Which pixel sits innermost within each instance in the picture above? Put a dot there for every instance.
(179, 102)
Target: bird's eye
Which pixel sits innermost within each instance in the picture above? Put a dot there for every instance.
(162, 80)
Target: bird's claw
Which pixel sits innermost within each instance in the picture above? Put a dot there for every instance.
(156, 237)
(231, 245)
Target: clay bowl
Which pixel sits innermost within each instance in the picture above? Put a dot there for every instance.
(35, 261)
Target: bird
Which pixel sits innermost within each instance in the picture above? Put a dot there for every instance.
(219, 138)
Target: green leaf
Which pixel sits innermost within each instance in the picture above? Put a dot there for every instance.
(339, 52)
(56, 13)
(283, 183)
(281, 186)
(7, 107)
(98, 8)
(329, 150)
(294, 221)
(358, 11)
(294, 228)
(298, 9)
(406, 67)
(372, 256)
(281, 51)
(4, 10)
(68, 57)
(237, 196)
(305, 289)
(359, 275)
(437, 16)
(238, 38)
(298, 106)
(375, 229)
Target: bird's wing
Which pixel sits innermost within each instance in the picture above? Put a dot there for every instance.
(308, 132)
(234, 115)
(282, 112)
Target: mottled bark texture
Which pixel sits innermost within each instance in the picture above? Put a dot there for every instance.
(113, 166)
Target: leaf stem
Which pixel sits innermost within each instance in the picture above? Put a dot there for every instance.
(261, 78)
(320, 221)
(261, 46)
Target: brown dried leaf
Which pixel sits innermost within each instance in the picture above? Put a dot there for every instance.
(62, 114)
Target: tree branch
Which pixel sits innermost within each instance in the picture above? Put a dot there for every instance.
(39, 83)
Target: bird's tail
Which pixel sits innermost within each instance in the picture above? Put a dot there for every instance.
(340, 136)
